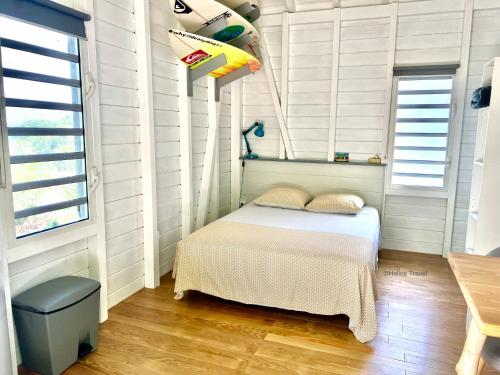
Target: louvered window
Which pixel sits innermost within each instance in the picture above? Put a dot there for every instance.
(421, 127)
(43, 117)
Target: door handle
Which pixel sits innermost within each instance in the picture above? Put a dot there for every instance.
(90, 85)
(95, 179)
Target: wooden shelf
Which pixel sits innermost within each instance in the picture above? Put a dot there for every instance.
(364, 163)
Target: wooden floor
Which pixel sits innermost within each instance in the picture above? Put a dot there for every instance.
(421, 331)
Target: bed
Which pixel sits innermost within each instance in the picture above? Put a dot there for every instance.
(290, 259)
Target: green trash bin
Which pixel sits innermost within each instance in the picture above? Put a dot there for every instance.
(56, 322)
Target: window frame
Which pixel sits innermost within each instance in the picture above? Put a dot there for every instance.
(36, 243)
(415, 190)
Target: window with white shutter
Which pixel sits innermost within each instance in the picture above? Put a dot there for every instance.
(421, 127)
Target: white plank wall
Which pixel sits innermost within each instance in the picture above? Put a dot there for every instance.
(309, 86)
(225, 153)
(429, 32)
(199, 113)
(273, 6)
(67, 260)
(414, 224)
(362, 86)
(257, 103)
(485, 44)
(116, 55)
(166, 119)
(360, 131)
(367, 181)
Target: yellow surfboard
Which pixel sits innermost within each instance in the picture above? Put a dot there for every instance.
(194, 50)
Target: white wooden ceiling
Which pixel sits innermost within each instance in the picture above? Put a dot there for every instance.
(278, 6)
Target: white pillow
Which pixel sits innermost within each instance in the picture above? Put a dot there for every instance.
(336, 204)
(284, 197)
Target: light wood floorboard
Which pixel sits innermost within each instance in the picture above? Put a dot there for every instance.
(421, 331)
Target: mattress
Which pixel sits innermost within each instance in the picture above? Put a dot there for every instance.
(296, 260)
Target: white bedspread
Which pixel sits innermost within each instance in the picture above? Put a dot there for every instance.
(296, 260)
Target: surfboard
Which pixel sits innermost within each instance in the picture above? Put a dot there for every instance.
(194, 50)
(193, 15)
(235, 4)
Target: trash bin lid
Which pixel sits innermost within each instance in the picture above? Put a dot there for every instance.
(56, 294)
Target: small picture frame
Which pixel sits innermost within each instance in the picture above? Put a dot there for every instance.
(342, 157)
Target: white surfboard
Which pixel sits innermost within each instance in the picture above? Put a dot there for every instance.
(251, 12)
(193, 15)
(233, 4)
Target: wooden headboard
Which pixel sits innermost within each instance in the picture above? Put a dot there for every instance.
(365, 180)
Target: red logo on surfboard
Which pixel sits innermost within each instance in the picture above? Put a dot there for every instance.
(195, 57)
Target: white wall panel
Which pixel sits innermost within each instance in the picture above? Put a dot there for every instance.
(166, 119)
(62, 261)
(117, 61)
(429, 32)
(414, 224)
(224, 134)
(257, 104)
(367, 181)
(362, 86)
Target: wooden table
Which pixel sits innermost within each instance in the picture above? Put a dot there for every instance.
(479, 280)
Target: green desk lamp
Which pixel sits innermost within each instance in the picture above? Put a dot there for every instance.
(259, 132)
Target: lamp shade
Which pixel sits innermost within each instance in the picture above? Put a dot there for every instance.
(259, 132)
